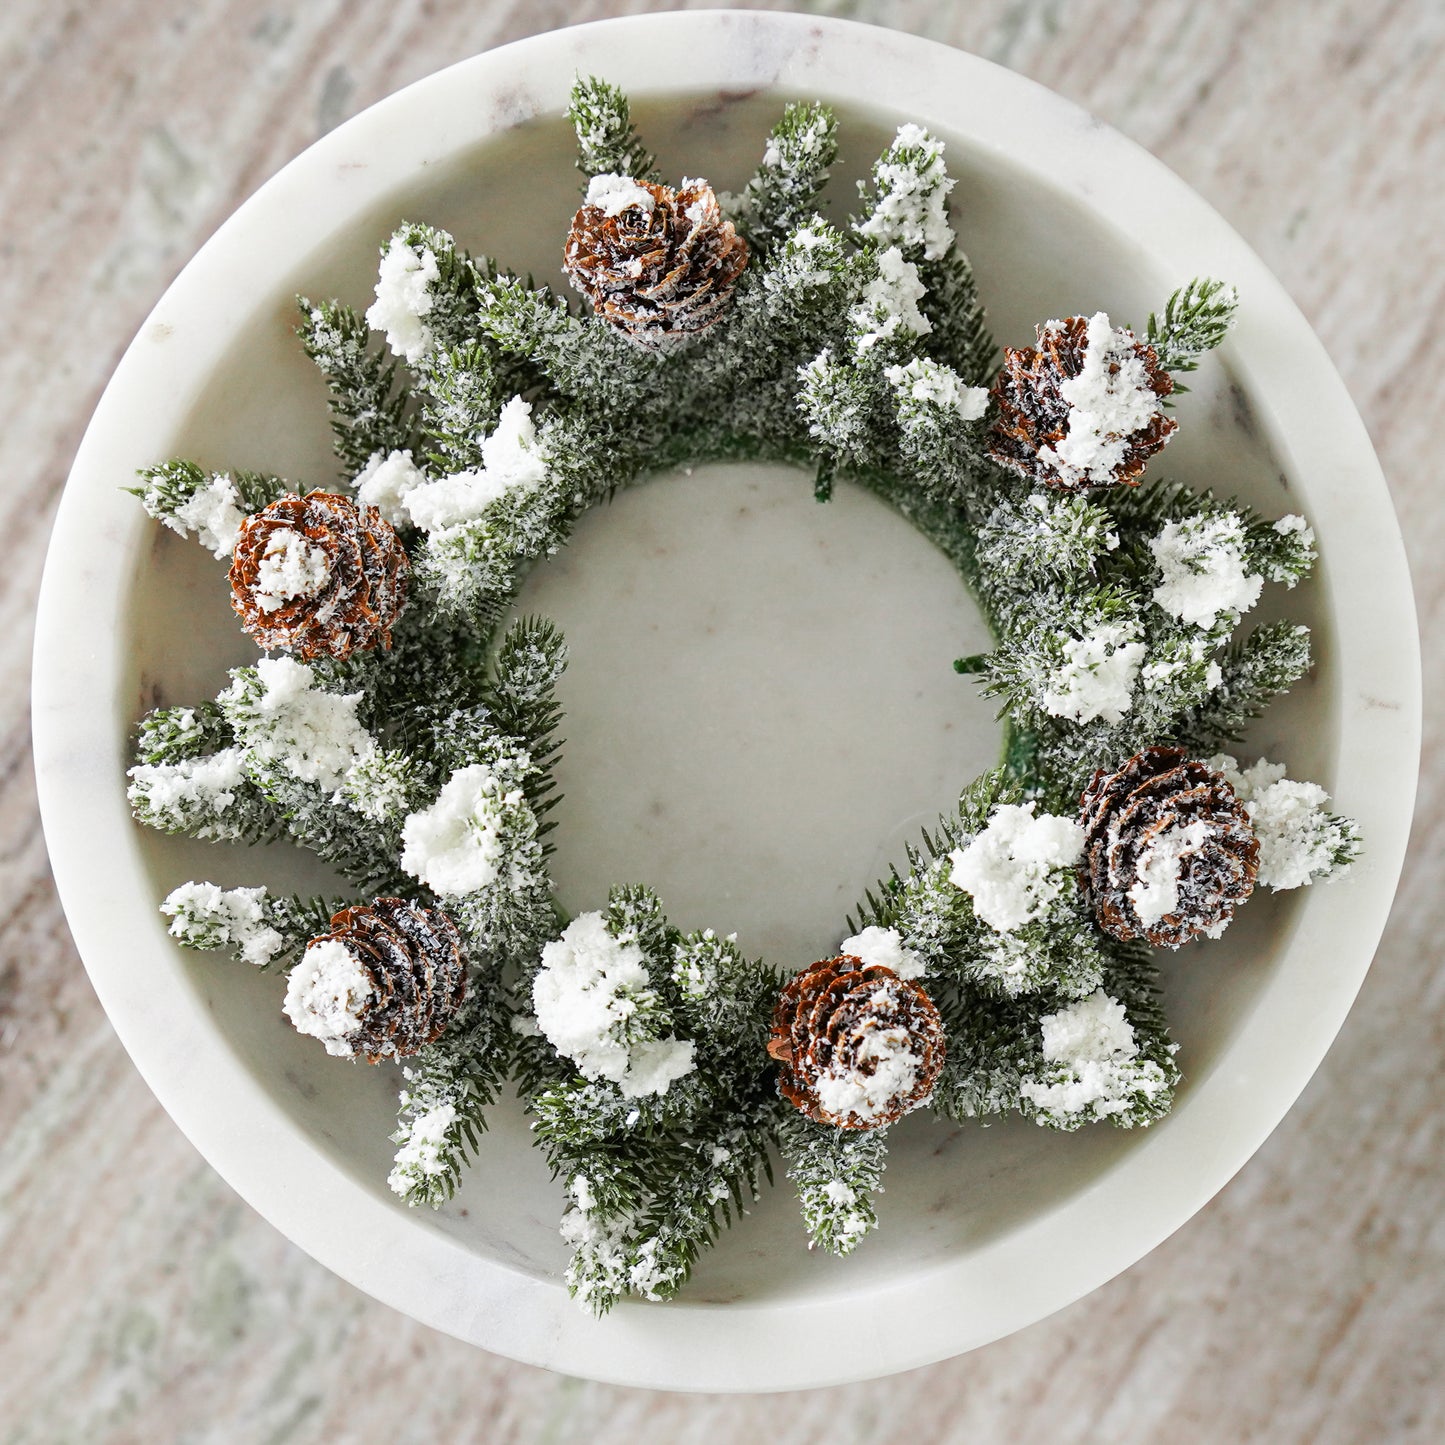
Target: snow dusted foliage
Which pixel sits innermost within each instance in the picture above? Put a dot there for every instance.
(481, 415)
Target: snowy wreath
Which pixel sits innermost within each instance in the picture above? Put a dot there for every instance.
(401, 733)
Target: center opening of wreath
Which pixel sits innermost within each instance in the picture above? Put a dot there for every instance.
(761, 708)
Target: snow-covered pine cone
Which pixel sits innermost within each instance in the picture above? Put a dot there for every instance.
(859, 1046)
(1169, 851)
(319, 575)
(384, 982)
(659, 264)
(1052, 427)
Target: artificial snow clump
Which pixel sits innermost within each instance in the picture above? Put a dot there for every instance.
(1176, 659)
(925, 382)
(290, 567)
(204, 915)
(404, 299)
(889, 304)
(213, 513)
(1097, 677)
(455, 845)
(1092, 1066)
(1155, 891)
(1299, 841)
(1016, 866)
(425, 1151)
(911, 210)
(595, 1004)
(613, 194)
(1110, 401)
(513, 463)
(884, 1068)
(885, 946)
(191, 795)
(599, 1271)
(287, 721)
(327, 995)
(1293, 525)
(811, 259)
(384, 483)
(1203, 576)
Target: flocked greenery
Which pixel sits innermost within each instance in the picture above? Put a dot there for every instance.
(856, 350)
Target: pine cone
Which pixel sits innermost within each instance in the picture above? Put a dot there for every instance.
(395, 987)
(319, 575)
(1032, 416)
(1169, 851)
(660, 268)
(859, 1046)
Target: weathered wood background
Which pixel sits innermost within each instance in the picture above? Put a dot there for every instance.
(140, 1300)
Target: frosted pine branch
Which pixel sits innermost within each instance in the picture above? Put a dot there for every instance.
(369, 400)
(1043, 539)
(205, 795)
(836, 1173)
(575, 358)
(607, 141)
(906, 203)
(782, 194)
(522, 698)
(960, 335)
(1196, 319)
(255, 926)
(449, 1087)
(1252, 674)
(678, 1197)
(209, 505)
(178, 734)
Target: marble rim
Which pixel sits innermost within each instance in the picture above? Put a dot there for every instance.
(933, 1311)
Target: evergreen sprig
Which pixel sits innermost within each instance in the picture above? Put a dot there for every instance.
(189, 500)
(171, 485)
(369, 398)
(783, 192)
(1196, 319)
(607, 141)
(652, 1177)
(450, 1085)
(252, 924)
(837, 1173)
(171, 735)
(959, 336)
(1253, 672)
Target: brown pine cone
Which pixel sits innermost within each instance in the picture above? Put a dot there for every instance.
(1169, 851)
(659, 264)
(319, 575)
(859, 1046)
(384, 982)
(1031, 415)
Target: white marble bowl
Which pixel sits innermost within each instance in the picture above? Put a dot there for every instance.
(983, 1231)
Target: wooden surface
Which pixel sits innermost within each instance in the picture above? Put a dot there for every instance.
(142, 1301)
